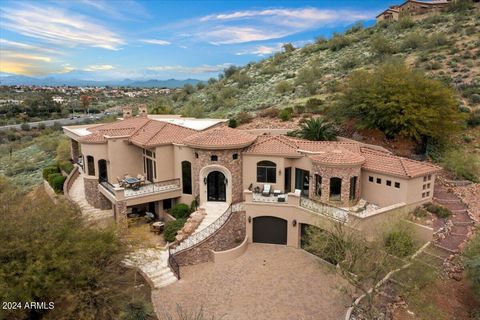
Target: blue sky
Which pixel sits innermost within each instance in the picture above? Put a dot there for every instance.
(105, 40)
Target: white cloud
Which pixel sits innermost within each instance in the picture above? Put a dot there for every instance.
(156, 41)
(261, 25)
(58, 26)
(124, 10)
(99, 67)
(4, 43)
(260, 50)
(204, 68)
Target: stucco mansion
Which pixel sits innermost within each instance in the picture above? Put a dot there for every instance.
(279, 184)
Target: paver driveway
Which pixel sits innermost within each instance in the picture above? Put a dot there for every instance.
(267, 282)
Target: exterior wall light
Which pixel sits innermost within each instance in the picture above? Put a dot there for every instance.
(279, 172)
(294, 223)
(249, 219)
(205, 180)
(226, 181)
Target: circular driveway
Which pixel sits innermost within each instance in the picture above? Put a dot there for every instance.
(266, 282)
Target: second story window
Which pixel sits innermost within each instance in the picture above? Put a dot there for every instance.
(235, 156)
(187, 177)
(266, 172)
(90, 166)
(214, 158)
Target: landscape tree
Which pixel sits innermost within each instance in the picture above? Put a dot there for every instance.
(316, 129)
(161, 105)
(362, 263)
(288, 47)
(49, 254)
(193, 108)
(85, 100)
(400, 101)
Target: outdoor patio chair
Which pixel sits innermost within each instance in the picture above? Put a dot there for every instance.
(266, 190)
(120, 182)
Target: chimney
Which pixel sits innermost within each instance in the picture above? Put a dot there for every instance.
(142, 111)
(127, 112)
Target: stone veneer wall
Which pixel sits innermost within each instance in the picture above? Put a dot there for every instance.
(225, 158)
(93, 195)
(345, 173)
(120, 211)
(74, 150)
(229, 236)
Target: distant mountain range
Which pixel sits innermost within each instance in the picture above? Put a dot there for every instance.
(81, 79)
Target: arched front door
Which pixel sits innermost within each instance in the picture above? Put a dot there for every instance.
(102, 170)
(216, 186)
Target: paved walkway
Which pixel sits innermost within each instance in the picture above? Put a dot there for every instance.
(77, 194)
(266, 282)
(213, 210)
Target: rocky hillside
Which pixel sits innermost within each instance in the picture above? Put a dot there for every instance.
(446, 46)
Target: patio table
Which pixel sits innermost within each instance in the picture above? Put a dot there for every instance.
(157, 227)
(132, 182)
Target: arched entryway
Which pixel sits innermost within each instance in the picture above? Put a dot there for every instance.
(102, 170)
(216, 186)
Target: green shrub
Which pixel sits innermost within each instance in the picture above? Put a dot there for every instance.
(413, 40)
(232, 123)
(269, 113)
(399, 243)
(437, 210)
(405, 23)
(313, 104)
(299, 109)
(57, 182)
(286, 114)
(49, 170)
(338, 42)
(193, 205)
(463, 165)
(382, 46)
(180, 211)
(171, 229)
(66, 166)
(472, 263)
(25, 127)
(419, 212)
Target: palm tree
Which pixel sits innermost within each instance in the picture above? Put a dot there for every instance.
(317, 129)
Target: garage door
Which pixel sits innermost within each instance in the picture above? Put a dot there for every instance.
(269, 230)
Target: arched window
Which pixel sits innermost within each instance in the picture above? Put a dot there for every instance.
(335, 189)
(266, 172)
(187, 177)
(318, 185)
(353, 187)
(90, 166)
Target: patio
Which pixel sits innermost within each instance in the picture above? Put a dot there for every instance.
(266, 282)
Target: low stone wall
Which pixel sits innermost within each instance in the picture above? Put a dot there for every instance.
(69, 181)
(229, 236)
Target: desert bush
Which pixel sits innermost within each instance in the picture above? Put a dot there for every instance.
(419, 212)
(308, 77)
(313, 104)
(286, 114)
(52, 176)
(437, 210)
(413, 40)
(463, 165)
(382, 46)
(471, 261)
(193, 108)
(288, 47)
(171, 229)
(298, 109)
(269, 113)
(338, 42)
(399, 243)
(66, 166)
(25, 127)
(180, 211)
(404, 23)
(244, 117)
(474, 119)
(355, 28)
(460, 6)
(437, 40)
(283, 87)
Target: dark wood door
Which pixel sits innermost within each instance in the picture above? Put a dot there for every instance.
(216, 186)
(270, 230)
(102, 170)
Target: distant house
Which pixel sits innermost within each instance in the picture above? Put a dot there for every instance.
(412, 8)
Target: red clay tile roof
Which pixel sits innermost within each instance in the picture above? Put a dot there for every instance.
(115, 129)
(274, 145)
(390, 164)
(220, 138)
(338, 155)
(156, 133)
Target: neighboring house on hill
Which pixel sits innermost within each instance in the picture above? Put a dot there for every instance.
(285, 183)
(412, 8)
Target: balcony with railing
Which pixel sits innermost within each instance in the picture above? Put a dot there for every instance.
(147, 189)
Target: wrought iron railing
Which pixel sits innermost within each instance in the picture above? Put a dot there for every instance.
(173, 264)
(332, 212)
(203, 234)
(156, 187)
